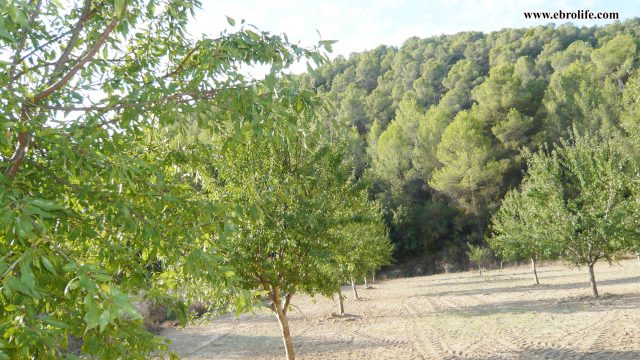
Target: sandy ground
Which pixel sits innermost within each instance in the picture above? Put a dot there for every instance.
(500, 315)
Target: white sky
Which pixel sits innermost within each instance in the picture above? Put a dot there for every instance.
(361, 25)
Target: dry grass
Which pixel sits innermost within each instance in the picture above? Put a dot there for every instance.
(500, 315)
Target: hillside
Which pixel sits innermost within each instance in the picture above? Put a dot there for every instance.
(441, 123)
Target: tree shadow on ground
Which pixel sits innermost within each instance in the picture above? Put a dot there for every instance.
(517, 274)
(606, 302)
(555, 353)
(525, 288)
(234, 346)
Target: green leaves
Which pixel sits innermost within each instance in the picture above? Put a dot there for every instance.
(576, 200)
(531, 222)
(105, 203)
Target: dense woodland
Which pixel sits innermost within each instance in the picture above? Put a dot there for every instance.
(441, 123)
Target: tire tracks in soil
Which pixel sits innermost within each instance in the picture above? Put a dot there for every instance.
(425, 341)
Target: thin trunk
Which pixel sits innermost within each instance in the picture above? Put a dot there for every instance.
(373, 275)
(535, 273)
(355, 290)
(638, 255)
(340, 301)
(592, 277)
(366, 285)
(500, 264)
(480, 268)
(284, 327)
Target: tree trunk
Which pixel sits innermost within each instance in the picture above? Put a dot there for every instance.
(535, 273)
(592, 277)
(366, 285)
(284, 327)
(373, 275)
(355, 290)
(638, 255)
(500, 264)
(287, 300)
(480, 268)
(340, 301)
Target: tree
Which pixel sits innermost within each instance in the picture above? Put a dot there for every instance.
(630, 116)
(520, 228)
(364, 245)
(478, 255)
(598, 219)
(96, 206)
(460, 80)
(428, 136)
(470, 175)
(576, 98)
(294, 182)
(577, 51)
(615, 58)
(602, 211)
(392, 161)
(507, 102)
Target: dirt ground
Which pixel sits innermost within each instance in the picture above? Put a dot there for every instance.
(500, 315)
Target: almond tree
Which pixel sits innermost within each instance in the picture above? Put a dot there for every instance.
(601, 210)
(520, 228)
(292, 182)
(364, 245)
(590, 207)
(478, 255)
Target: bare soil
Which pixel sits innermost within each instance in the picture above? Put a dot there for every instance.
(500, 315)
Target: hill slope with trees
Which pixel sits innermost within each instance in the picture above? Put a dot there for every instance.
(440, 124)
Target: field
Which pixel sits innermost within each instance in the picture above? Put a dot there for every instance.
(500, 315)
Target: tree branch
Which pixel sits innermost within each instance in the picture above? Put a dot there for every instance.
(24, 137)
(193, 95)
(40, 47)
(182, 63)
(81, 63)
(84, 16)
(23, 143)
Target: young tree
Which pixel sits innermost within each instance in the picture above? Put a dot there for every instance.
(602, 213)
(364, 247)
(293, 181)
(598, 218)
(478, 255)
(94, 203)
(521, 226)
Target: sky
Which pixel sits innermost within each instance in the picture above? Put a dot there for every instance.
(360, 25)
